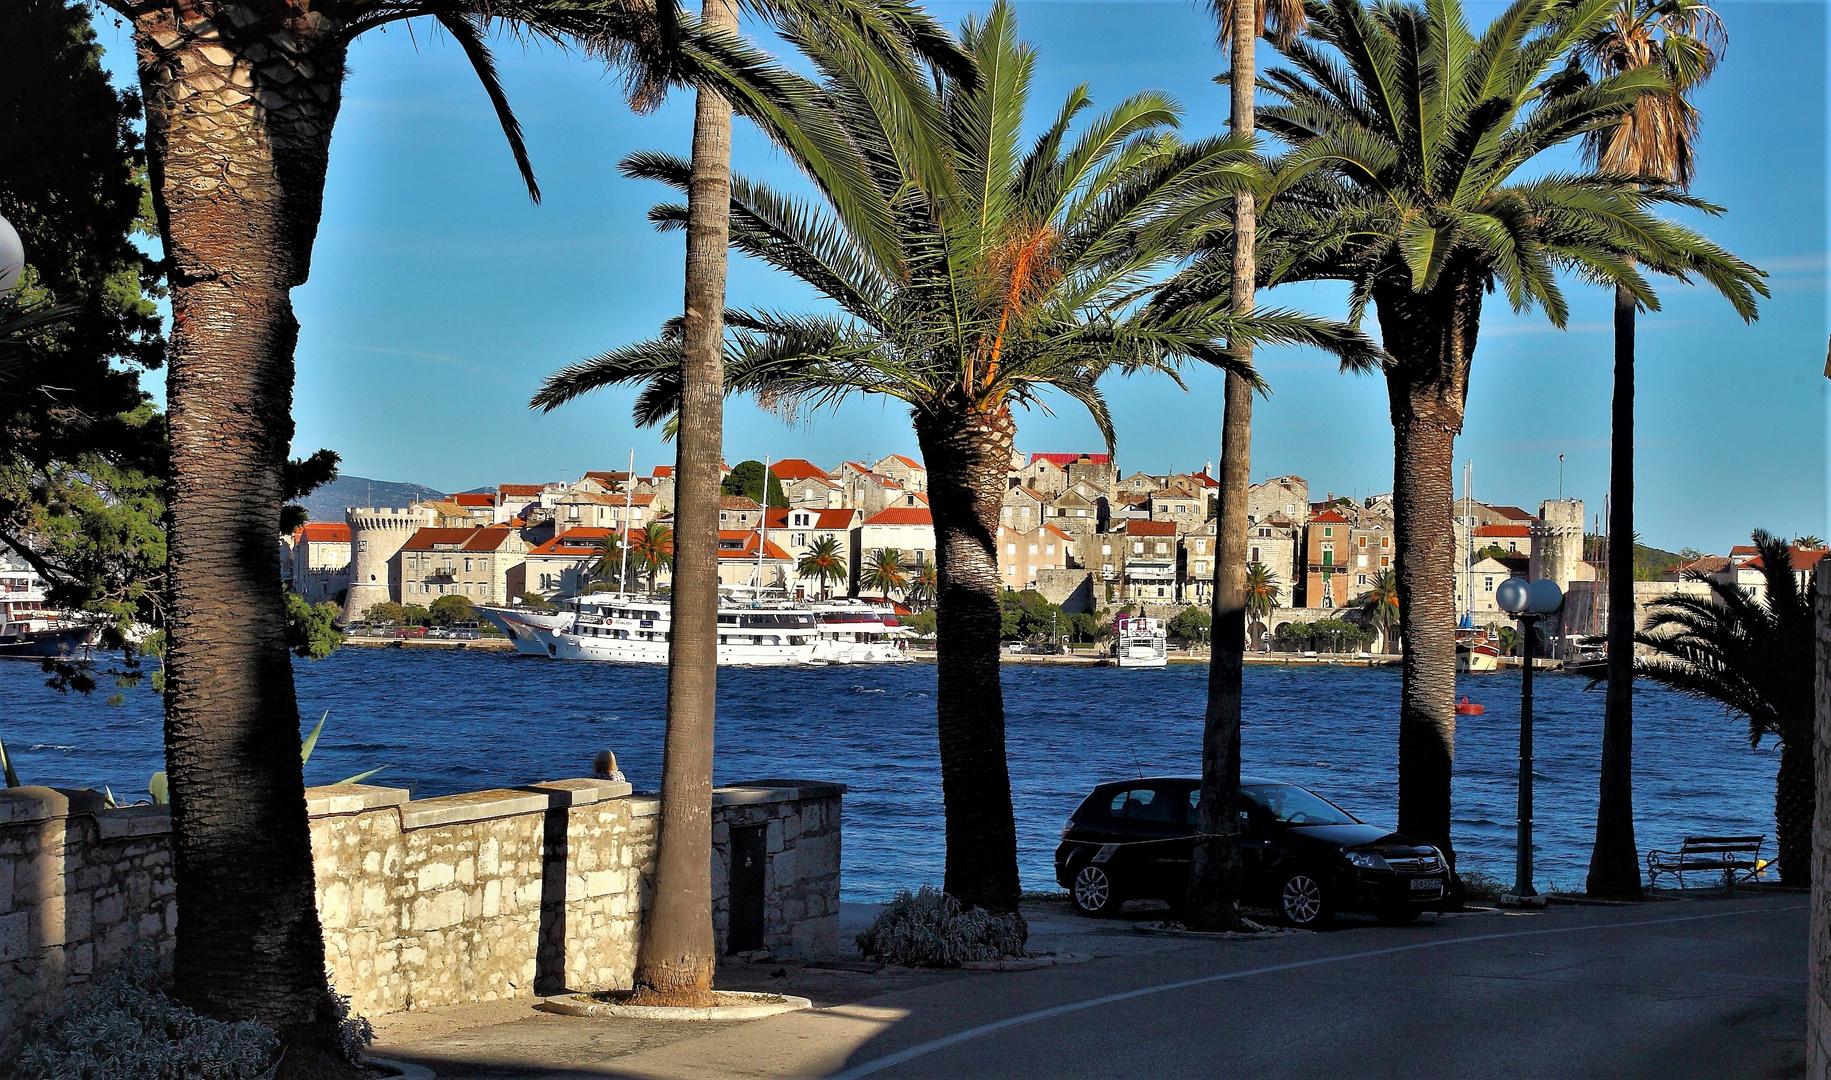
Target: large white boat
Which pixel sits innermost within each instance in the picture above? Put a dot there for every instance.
(29, 629)
(859, 632)
(1139, 641)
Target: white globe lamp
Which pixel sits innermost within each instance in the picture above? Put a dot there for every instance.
(1544, 596)
(12, 257)
(1514, 595)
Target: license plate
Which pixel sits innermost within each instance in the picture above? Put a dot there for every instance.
(1426, 883)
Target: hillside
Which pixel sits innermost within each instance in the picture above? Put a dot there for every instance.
(327, 503)
(1648, 561)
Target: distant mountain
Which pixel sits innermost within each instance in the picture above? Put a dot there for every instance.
(328, 502)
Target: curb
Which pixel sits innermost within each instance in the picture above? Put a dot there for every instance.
(1265, 934)
(744, 1006)
(403, 1070)
(1026, 963)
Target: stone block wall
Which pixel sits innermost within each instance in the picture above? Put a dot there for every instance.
(426, 902)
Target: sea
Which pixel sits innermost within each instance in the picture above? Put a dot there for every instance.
(443, 721)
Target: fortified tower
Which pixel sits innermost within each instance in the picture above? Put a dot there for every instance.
(1557, 541)
(377, 534)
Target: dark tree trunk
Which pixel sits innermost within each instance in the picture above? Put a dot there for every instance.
(1215, 871)
(1431, 336)
(678, 952)
(1614, 863)
(1795, 806)
(239, 114)
(967, 455)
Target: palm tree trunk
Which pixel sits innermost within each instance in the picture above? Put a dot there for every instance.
(677, 955)
(1614, 863)
(1215, 871)
(1431, 336)
(237, 153)
(1795, 806)
(967, 454)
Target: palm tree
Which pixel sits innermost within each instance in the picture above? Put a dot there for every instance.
(1682, 41)
(1215, 873)
(971, 275)
(922, 586)
(652, 547)
(1407, 132)
(608, 563)
(1380, 605)
(884, 570)
(823, 562)
(1262, 590)
(1754, 657)
(1808, 542)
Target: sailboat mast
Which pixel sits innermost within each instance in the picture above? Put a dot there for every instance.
(763, 528)
(629, 498)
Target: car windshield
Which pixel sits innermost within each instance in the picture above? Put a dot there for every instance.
(1289, 804)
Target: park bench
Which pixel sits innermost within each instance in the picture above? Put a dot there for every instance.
(1727, 855)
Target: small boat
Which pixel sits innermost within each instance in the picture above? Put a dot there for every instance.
(1465, 707)
(28, 629)
(1140, 641)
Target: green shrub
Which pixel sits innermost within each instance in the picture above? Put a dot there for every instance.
(928, 928)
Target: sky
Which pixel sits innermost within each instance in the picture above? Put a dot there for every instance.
(440, 297)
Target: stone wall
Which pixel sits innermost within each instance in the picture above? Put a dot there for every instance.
(426, 902)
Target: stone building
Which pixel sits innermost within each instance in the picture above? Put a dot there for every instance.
(908, 529)
(594, 510)
(1285, 495)
(1023, 508)
(317, 561)
(738, 513)
(907, 471)
(1097, 471)
(561, 566)
(1557, 541)
(1325, 561)
(866, 489)
(472, 563)
(1022, 555)
(1040, 474)
(377, 535)
(1185, 508)
(797, 530)
(1148, 559)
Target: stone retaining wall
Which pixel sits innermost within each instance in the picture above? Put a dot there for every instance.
(425, 902)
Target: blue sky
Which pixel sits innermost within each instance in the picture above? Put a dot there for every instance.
(439, 298)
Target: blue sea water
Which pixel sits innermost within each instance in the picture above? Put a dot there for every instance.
(446, 721)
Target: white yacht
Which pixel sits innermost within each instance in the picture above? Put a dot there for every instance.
(28, 628)
(636, 630)
(859, 632)
(1139, 641)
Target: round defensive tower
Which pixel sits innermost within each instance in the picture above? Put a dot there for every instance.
(377, 534)
(1557, 541)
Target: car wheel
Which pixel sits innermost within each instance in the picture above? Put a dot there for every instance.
(1303, 901)
(1093, 892)
(1398, 915)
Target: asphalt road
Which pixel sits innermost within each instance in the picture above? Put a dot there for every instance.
(1669, 990)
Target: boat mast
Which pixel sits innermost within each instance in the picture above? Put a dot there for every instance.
(629, 497)
(762, 531)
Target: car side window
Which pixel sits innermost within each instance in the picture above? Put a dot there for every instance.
(1143, 804)
(1195, 805)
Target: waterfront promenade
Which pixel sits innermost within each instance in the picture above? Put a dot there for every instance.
(1706, 988)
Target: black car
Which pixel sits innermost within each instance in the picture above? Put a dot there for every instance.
(1305, 857)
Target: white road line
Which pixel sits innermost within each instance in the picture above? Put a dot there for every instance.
(890, 1061)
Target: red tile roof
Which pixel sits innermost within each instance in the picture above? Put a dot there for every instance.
(911, 462)
(1033, 493)
(1065, 460)
(902, 515)
(876, 477)
(823, 519)
(1140, 527)
(1059, 533)
(1328, 517)
(484, 539)
(796, 469)
(322, 532)
(473, 498)
(611, 478)
(520, 491)
(1511, 513)
(1503, 530)
(738, 502)
(662, 472)
(749, 548)
(585, 541)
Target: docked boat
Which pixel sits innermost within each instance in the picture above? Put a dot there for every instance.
(1140, 641)
(859, 632)
(637, 630)
(30, 630)
(1477, 654)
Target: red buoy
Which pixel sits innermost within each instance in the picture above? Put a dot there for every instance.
(1465, 708)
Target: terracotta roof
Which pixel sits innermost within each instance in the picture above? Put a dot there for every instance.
(586, 541)
(1503, 530)
(1058, 532)
(1511, 513)
(1033, 493)
(902, 515)
(322, 532)
(520, 491)
(796, 469)
(484, 539)
(823, 519)
(1801, 558)
(911, 462)
(824, 481)
(1140, 527)
(749, 548)
(1133, 498)
(601, 476)
(1065, 460)
(1328, 517)
(738, 502)
(876, 477)
(606, 499)
(1704, 564)
(663, 472)
(473, 498)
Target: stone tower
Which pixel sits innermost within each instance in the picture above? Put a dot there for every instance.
(377, 534)
(1557, 541)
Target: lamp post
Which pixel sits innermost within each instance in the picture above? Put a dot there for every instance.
(1529, 603)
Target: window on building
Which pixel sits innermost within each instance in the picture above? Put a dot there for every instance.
(1010, 570)
(1328, 530)
(1010, 549)
(1488, 584)
(1328, 556)
(1385, 541)
(572, 512)
(1360, 579)
(467, 566)
(1255, 556)
(1513, 545)
(1138, 547)
(1160, 590)
(1106, 549)
(1032, 549)
(1360, 560)
(1162, 547)
(1385, 560)
(800, 540)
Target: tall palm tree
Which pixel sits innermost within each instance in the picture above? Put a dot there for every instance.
(652, 547)
(1407, 132)
(1754, 657)
(971, 275)
(823, 562)
(1681, 40)
(676, 957)
(608, 561)
(1262, 590)
(1215, 874)
(922, 586)
(1380, 606)
(884, 571)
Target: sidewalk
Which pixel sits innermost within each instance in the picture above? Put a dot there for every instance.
(1707, 988)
